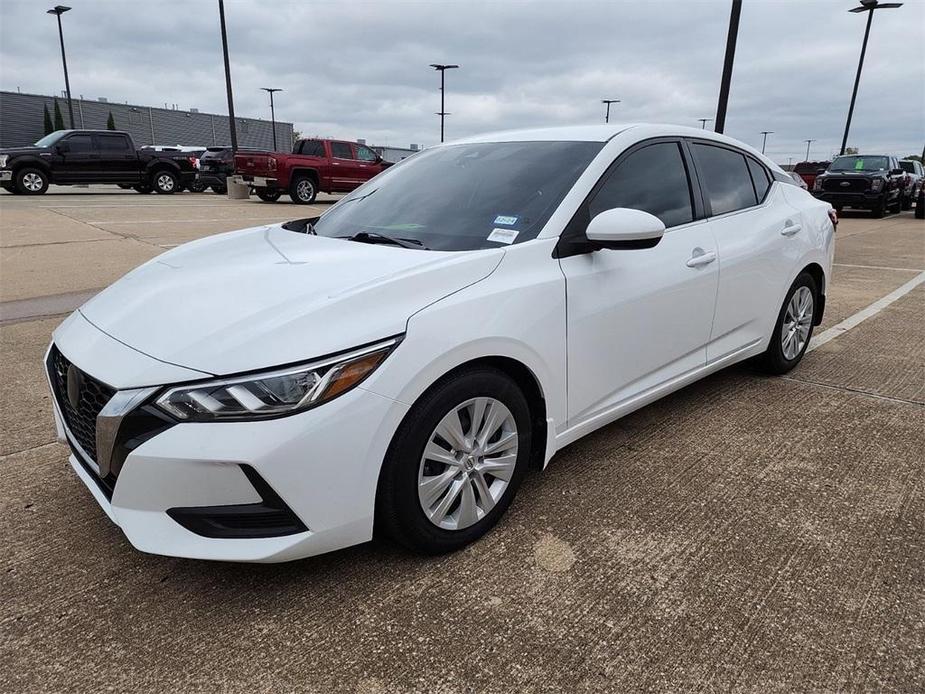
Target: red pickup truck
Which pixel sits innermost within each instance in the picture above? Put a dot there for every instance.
(331, 166)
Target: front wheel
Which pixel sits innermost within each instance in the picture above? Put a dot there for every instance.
(794, 327)
(31, 181)
(165, 182)
(456, 462)
(268, 194)
(303, 191)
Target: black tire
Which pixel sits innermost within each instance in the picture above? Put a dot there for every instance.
(143, 188)
(30, 181)
(165, 182)
(125, 186)
(897, 206)
(303, 190)
(8, 187)
(197, 187)
(879, 212)
(220, 190)
(399, 513)
(906, 203)
(774, 361)
(268, 194)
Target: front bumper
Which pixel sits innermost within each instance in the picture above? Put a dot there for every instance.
(255, 181)
(322, 465)
(6, 176)
(212, 179)
(863, 200)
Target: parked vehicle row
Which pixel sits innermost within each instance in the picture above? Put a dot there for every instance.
(68, 157)
(862, 181)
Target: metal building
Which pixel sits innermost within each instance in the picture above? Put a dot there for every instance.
(22, 123)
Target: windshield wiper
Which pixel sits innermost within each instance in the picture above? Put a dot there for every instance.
(376, 237)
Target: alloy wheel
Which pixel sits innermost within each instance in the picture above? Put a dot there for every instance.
(797, 323)
(32, 182)
(468, 463)
(165, 182)
(304, 190)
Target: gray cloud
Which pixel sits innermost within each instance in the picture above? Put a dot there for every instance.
(360, 69)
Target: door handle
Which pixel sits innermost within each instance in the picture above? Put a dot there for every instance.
(702, 258)
(790, 229)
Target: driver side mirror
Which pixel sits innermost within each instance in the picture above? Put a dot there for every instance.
(624, 229)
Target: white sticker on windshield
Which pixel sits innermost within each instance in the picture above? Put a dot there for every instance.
(501, 219)
(505, 236)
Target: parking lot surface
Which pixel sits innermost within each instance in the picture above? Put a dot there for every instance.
(746, 533)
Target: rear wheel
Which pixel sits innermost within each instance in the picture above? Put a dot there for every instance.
(907, 202)
(165, 182)
(268, 194)
(920, 205)
(303, 191)
(30, 181)
(456, 462)
(794, 327)
(197, 187)
(897, 206)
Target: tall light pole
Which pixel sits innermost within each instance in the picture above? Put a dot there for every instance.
(731, 38)
(703, 122)
(59, 10)
(270, 90)
(231, 124)
(765, 133)
(867, 6)
(608, 102)
(808, 143)
(442, 70)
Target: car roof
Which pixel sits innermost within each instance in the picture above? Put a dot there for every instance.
(594, 133)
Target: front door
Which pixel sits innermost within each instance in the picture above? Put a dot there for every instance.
(639, 318)
(343, 166)
(79, 161)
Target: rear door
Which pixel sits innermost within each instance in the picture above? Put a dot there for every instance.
(79, 161)
(344, 167)
(758, 234)
(118, 161)
(639, 318)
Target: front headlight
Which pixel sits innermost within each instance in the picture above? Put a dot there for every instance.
(876, 185)
(4, 158)
(274, 393)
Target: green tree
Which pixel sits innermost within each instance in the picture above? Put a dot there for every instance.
(59, 119)
(110, 122)
(914, 157)
(48, 125)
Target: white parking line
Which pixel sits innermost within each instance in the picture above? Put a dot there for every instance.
(865, 313)
(880, 267)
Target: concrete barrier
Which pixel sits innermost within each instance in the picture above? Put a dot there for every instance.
(238, 191)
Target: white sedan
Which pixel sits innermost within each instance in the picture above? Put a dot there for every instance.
(397, 364)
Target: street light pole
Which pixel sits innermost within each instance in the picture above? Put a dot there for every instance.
(703, 122)
(608, 102)
(270, 90)
(442, 70)
(867, 6)
(231, 124)
(808, 143)
(765, 133)
(59, 10)
(727, 65)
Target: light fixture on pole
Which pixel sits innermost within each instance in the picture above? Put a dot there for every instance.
(765, 134)
(808, 143)
(867, 6)
(59, 10)
(607, 112)
(703, 122)
(442, 70)
(270, 90)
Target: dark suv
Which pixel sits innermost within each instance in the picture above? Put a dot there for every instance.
(871, 182)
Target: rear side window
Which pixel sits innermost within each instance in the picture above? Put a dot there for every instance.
(80, 143)
(113, 143)
(312, 148)
(725, 179)
(341, 150)
(759, 178)
(652, 179)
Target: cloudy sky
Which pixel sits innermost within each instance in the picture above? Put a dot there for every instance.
(360, 69)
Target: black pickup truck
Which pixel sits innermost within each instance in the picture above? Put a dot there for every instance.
(871, 182)
(66, 157)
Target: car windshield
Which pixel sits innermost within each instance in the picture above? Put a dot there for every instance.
(859, 163)
(51, 138)
(463, 197)
(907, 166)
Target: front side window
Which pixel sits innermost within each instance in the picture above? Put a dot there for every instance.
(341, 150)
(365, 153)
(725, 178)
(464, 197)
(860, 163)
(652, 179)
(79, 143)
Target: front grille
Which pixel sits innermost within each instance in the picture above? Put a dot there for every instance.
(92, 396)
(835, 185)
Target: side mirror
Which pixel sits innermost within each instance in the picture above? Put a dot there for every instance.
(624, 229)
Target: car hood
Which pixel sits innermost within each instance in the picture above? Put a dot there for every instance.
(23, 150)
(266, 296)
